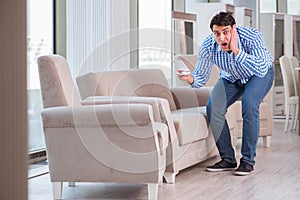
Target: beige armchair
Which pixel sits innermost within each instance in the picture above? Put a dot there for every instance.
(103, 143)
(265, 109)
(181, 108)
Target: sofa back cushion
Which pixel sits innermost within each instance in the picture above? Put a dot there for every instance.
(136, 82)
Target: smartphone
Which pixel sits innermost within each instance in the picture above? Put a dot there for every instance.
(182, 69)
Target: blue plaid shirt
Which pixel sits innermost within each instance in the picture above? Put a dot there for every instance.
(253, 59)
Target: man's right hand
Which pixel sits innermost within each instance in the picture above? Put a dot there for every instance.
(185, 77)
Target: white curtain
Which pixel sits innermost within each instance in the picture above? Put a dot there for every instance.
(97, 32)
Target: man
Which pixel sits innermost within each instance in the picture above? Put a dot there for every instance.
(245, 70)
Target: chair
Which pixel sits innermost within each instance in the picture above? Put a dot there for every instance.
(291, 99)
(181, 108)
(97, 143)
(295, 64)
(265, 109)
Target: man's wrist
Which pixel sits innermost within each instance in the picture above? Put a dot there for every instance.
(236, 51)
(191, 80)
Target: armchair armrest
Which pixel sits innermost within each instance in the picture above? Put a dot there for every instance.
(153, 101)
(117, 115)
(186, 97)
(160, 107)
(136, 120)
(114, 136)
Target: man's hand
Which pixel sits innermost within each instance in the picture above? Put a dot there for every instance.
(234, 41)
(188, 78)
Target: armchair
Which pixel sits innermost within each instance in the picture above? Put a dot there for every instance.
(181, 108)
(97, 143)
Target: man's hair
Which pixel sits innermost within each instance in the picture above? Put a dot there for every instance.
(222, 19)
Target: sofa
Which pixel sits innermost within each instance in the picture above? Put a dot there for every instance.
(181, 108)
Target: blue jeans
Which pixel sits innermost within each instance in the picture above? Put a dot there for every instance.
(225, 94)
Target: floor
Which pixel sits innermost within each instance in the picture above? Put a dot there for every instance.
(276, 177)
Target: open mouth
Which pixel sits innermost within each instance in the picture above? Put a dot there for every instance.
(224, 44)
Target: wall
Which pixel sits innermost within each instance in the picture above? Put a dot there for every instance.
(13, 101)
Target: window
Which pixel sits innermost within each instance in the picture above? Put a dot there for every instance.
(155, 35)
(39, 42)
(293, 7)
(267, 6)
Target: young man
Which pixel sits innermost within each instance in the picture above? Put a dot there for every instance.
(245, 70)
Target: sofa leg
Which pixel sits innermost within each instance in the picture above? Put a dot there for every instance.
(170, 177)
(57, 190)
(152, 191)
(71, 184)
(267, 141)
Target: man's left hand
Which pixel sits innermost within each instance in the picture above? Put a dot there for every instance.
(234, 41)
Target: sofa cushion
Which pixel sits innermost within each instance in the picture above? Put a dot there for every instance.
(190, 124)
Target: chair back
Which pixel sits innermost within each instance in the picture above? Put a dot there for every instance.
(56, 81)
(287, 76)
(295, 64)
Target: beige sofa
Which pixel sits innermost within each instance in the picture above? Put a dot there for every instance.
(181, 108)
(98, 143)
(265, 109)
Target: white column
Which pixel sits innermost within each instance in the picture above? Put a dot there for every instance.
(288, 35)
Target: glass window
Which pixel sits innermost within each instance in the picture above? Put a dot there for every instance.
(267, 6)
(155, 35)
(293, 7)
(39, 42)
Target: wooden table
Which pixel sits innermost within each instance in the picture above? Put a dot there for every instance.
(298, 69)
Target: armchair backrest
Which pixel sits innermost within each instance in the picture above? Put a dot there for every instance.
(136, 82)
(57, 85)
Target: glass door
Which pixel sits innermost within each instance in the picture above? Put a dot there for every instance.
(39, 42)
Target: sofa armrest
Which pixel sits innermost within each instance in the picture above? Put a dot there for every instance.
(186, 97)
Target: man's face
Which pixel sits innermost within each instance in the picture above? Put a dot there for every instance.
(222, 35)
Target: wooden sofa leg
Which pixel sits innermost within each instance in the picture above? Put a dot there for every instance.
(170, 177)
(267, 141)
(57, 190)
(152, 191)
